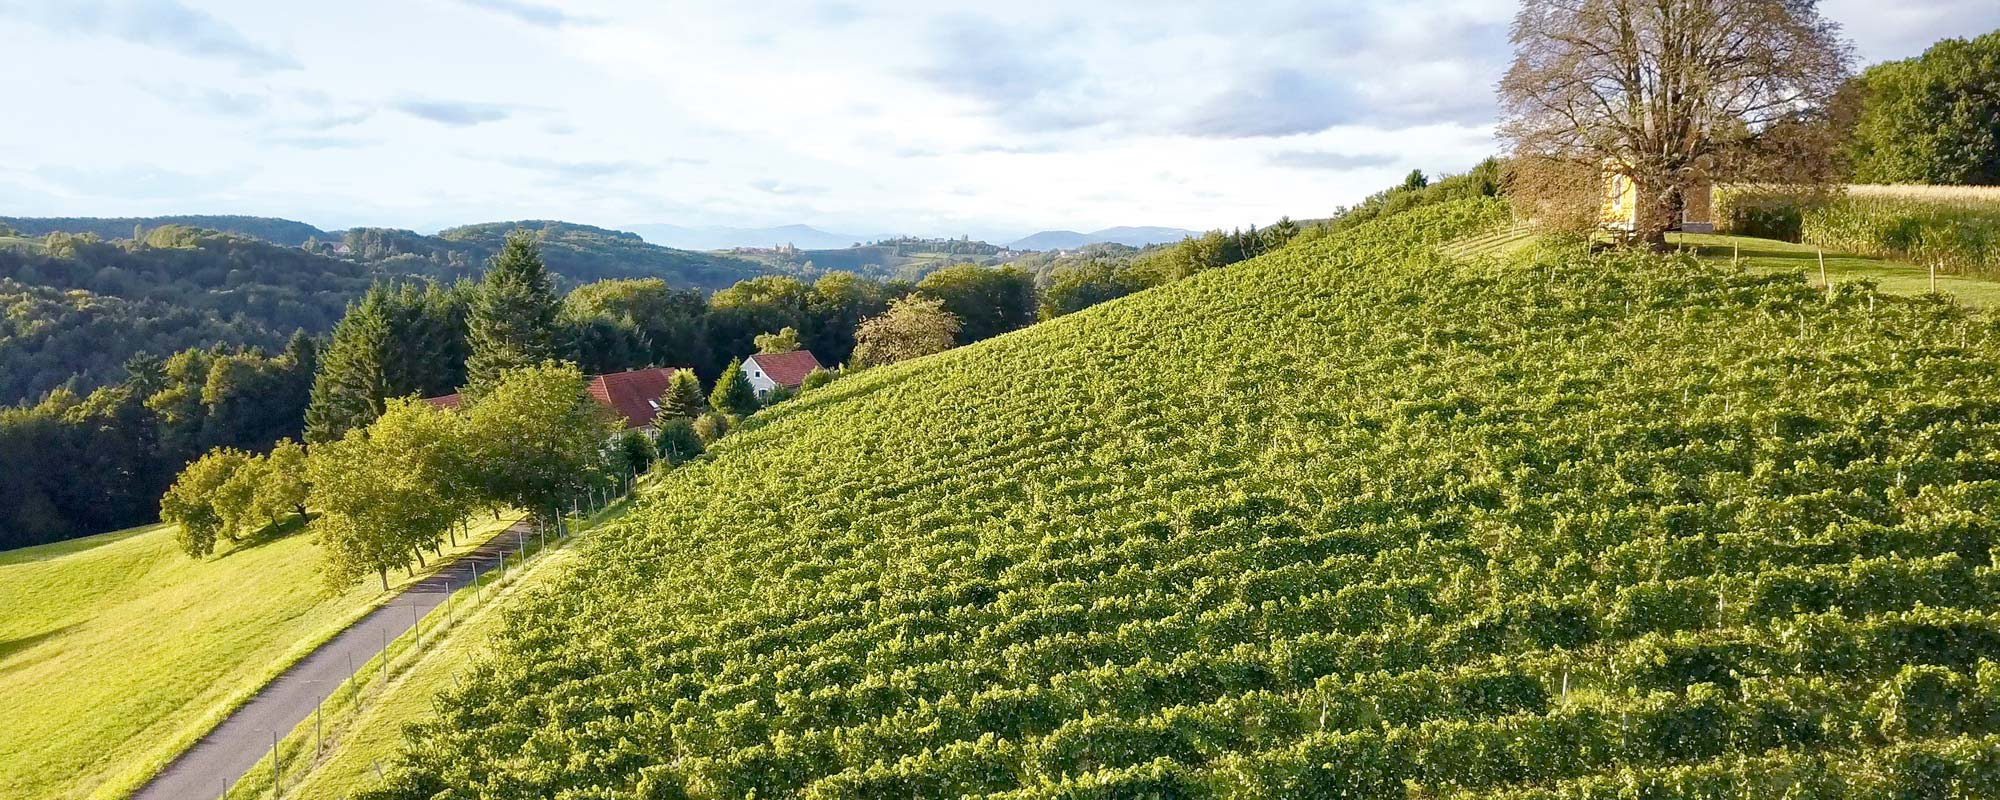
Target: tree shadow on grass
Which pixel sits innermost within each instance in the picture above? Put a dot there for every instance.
(283, 529)
(10, 647)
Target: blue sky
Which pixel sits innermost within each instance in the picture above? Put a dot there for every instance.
(926, 117)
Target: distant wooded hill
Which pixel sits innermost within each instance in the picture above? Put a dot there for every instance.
(1129, 236)
(716, 237)
(576, 253)
(79, 303)
(285, 232)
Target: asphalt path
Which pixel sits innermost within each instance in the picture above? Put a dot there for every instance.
(215, 763)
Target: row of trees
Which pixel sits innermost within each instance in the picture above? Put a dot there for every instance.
(232, 494)
(402, 484)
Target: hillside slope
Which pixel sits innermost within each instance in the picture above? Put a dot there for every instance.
(276, 230)
(576, 253)
(1348, 520)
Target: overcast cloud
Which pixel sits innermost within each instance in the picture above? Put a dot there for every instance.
(928, 117)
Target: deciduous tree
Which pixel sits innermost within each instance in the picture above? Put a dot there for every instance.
(1676, 93)
(913, 326)
(538, 438)
(784, 341)
(190, 502)
(1931, 119)
(387, 491)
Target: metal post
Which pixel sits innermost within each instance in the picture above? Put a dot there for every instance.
(274, 764)
(317, 738)
(384, 630)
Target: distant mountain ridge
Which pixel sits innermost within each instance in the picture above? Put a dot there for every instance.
(1125, 235)
(720, 237)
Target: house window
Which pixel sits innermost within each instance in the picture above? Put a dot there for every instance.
(760, 373)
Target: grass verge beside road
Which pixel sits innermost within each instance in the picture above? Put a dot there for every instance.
(118, 651)
(361, 728)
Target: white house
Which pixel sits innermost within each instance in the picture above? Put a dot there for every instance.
(768, 371)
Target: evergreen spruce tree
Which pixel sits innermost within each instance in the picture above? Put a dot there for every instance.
(683, 399)
(733, 395)
(512, 319)
(348, 391)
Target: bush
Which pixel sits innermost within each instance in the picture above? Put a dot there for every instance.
(820, 376)
(712, 426)
(635, 451)
(778, 395)
(678, 441)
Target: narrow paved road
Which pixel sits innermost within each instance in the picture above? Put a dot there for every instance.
(234, 746)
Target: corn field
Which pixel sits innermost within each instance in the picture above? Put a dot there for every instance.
(1953, 228)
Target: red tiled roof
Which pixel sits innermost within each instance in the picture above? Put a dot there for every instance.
(633, 395)
(629, 395)
(786, 369)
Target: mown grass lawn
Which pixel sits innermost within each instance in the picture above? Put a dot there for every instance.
(1894, 277)
(117, 651)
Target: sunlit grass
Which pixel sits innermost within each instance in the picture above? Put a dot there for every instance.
(117, 651)
(1894, 277)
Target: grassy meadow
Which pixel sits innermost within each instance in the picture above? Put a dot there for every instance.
(1891, 276)
(118, 651)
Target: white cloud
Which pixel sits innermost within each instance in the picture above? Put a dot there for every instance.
(941, 117)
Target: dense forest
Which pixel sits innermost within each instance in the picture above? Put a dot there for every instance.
(78, 306)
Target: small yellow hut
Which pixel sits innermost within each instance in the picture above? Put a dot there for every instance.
(1621, 204)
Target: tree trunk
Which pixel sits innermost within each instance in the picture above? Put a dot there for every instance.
(420, 556)
(1654, 214)
(383, 573)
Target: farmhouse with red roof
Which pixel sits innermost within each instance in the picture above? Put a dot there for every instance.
(632, 398)
(768, 371)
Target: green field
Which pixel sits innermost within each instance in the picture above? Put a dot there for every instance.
(1891, 276)
(1354, 519)
(117, 651)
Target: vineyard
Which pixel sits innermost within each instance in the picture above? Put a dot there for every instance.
(1350, 520)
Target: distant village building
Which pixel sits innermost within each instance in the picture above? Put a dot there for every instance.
(1621, 204)
(768, 371)
(632, 398)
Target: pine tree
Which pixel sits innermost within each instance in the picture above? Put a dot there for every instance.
(348, 391)
(684, 399)
(733, 395)
(512, 319)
